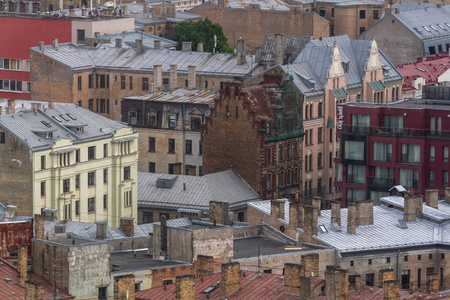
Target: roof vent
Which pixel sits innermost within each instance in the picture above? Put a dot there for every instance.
(402, 224)
(165, 182)
(336, 227)
(323, 229)
(8, 279)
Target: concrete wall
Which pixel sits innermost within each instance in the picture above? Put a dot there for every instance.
(217, 243)
(111, 26)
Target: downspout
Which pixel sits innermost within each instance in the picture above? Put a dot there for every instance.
(398, 265)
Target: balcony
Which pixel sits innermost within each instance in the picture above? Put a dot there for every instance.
(317, 191)
(394, 132)
(380, 181)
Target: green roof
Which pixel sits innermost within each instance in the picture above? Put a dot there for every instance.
(330, 123)
(339, 93)
(377, 85)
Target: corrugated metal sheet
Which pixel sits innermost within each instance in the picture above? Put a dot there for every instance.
(377, 85)
(342, 3)
(279, 5)
(129, 38)
(293, 45)
(181, 95)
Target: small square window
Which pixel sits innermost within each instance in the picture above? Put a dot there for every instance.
(352, 263)
(370, 262)
(406, 258)
(388, 260)
(442, 256)
(430, 256)
(419, 257)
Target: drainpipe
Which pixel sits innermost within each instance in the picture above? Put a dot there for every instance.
(398, 265)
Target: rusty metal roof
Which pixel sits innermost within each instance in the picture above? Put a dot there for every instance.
(181, 95)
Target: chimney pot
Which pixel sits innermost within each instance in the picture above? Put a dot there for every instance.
(351, 218)
(241, 55)
(157, 45)
(118, 43)
(12, 105)
(186, 46)
(336, 283)
(51, 104)
(127, 225)
(55, 43)
(41, 46)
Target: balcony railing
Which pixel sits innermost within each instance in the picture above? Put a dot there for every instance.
(393, 131)
(380, 181)
(317, 191)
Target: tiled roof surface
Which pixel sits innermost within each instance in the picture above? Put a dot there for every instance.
(430, 70)
(343, 3)
(86, 58)
(181, 95)
(221, 186)
(129, 40)
(293, 45)
(385, 233)
(25, 124)
(8, 287)
(304, 75)
(377, 293)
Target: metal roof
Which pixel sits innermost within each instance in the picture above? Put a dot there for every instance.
(279, 5)
(80, 58)
(343, 3)
(384, 233)
(292, 47)
(129, 39)
(194, 192)
(181, 95)
(141, 18)
(25, 125)
(408, 6)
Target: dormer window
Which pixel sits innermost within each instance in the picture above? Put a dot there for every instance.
(49, 135)
(312, 86)
(64, 117)
(385, 71)
(72, 117)
(196, 122)
(152, 119)
(57, 119)
(80, 129)
(345, 66)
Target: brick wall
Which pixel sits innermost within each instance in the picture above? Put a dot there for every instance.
(124, 287)
(185, 287)
(159, 275)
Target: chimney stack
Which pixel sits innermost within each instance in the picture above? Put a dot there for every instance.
(71, 13)
(218, 212)
(124, 287)
(185, 287)
(127, 225)
(336, 283)
(447, 195)
(157, 78)
(145, 7)
(385, 275)
(55, 43)
(192, 77)
(292, 275)
(171, 11)
(231, 278)
(409, 208)
(60, 228)
(200, 47)
(391, 290)
(258, 55)
(310, 222)
(351, 218)
(118, 43)
(139, 46)
(307, 290)
(364, 212)
(432, 198)
(41, 46)
(241, 55)
(186, 46)
(336, 213)
(101, 230)
(277, 208)
(173, 77)
(8, 110)
(223, 3)
(10, 213)
(83, 12)
(12, 104)
(311, 263)
(124, 10)
(39, 227)
(97, 34)
(419, 205)
(33, 290)
(279, 48)
(357, 282)
(316, 202)
(51, 104)
(163, 236)
(205, 265)
(22, 263)
(156, 45)
(296, 215)
(433, 283)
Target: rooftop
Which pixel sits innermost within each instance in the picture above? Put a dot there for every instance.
(181, 95)
(265, 4)
(345, 3)
(413, 104)
(129, 40)
(194, 192)
(403, 6)
(142, 18)
(292, 46)
(41, 129)
(135, 260)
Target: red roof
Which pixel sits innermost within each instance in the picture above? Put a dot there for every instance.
(7, 270)
(378, 293)
(430, 69)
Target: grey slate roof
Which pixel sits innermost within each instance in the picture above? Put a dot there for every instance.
(319, 54)
(181, 95)
(293, 45)
(384, 233)
(221, 186)
(80, 58)
(265, 4)
(141, 18)
(408, 6)
(304, 76)
(345, 3)
(25, 124)
(129, 38)
(436, 20)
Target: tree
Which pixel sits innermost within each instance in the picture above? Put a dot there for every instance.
(202, 31)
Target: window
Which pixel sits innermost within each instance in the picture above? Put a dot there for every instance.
(280, 153)
(431, 177)
(200, 148)
(352, 263)
(151, 144)
(91, 152)
(410, 153)
(319, 160)
(432, 153)
(382, 152)
(362, 29)
(91, 178)
(370, 279)
(356, 174)
(172, 121)
(322, 11)
(91, 81)
(188, 146)
(77, 181)
(66, 185)
(376, 14)
(43, 162)
(91, 204)
(147, 217)
(445, 154)
(2, 138)
(430, 256)
(91, 104)
(295, 176)
(362, 14)
(105, 201)
(288, 151)
(77, 207)
(171, 146)
(281, 179)
(145, 84)
(288, 177)
(319, 135)
(77, 155)
(444, 179)
(332, 12)
(79, 83)
(105, 175)
(80, 36)
(393, 124)
(310, 136)
(42, 188)
(354, 195)
(132, 117)
(409, 178)
(310, 161)
(370, 262)
(388, 260)
(432, 50)
(122, 82)
(151, 167)
(295, 150)
(306, 163)
(354, 150)
(331, 134)
(360, 123)
(126, 173)
(419, 257)
(127, 198)
(435, 125)
(195, 123)
(405, 280)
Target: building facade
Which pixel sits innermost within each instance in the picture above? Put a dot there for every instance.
(65, 158)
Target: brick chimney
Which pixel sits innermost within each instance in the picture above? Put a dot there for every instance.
(296, 215)
(185, 287)
(41, 46)
(156, 45)
(279, 48)
(60, 228)
(127, 225)
(385, 275)
(218, 212)
(118, 43)
(277, 208)
(336, 283)
(205, 265)
(157, 79)
(101, 230)
(311, 263)
(139, 46)
(391, 290)
(307, 290)
(419, 205)
(83, 12)
(186, 46)
(71, 13)
(310, 221)
(124, 287)
(39, 227)
(200, 47)
(241, 55)
(357, 282)
(316, 202)
(171, 11)
(258, 52)
(336, 213)
(33, 290)
(409, 209)
(145, 7)
(192, 77)
(12, 105)
(231, 278)
(173, 80)
(223, 3)
(447, 195)
(351, 218)
(364, 212)
(292, 275)
(433, 283)
(432, 198)
(55, 43)
(22, 263)
(51, 104)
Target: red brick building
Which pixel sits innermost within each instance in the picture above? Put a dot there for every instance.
(258, 132)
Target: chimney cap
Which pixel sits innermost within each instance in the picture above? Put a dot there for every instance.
(127, 218)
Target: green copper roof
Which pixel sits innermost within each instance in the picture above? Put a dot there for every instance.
(339, 93)
(330, 123)
(284, 137)
(377, 85)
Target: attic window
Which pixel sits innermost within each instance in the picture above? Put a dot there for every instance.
(420, 69)
(64, 117)
(336, 227)
(432, 27)
(323, 229)
(57, 119)
(46, 124)
(417, 29)
(80, 129)
(48, 135)
(312, 86)
(385, 72)
(345, 66)
(402, 224)
(72, 117)
(209, 289)
(441, 26)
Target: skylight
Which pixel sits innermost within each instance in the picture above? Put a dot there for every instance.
(72, 117)
(64, 117)
(441, 26)
(57, 119)
(448, 25)
(46, 124)
(420, 69)
(432, 27)
(323, 228)
(426, 28)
